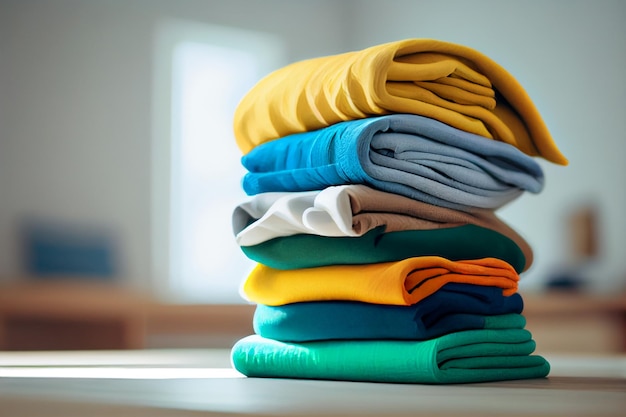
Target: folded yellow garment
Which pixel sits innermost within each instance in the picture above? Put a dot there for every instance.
(404, 282)
(452, 83)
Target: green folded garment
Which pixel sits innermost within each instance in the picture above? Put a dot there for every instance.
(455, 243)
(463, 357)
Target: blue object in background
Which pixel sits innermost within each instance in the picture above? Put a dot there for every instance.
(55, 250)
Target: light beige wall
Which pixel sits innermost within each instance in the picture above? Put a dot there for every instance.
(75, 102)
(76, 82)
(570, 57)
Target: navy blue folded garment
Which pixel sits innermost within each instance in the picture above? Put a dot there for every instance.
(453, 308)
(409, 155)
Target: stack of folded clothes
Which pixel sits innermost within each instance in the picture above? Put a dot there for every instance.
(374, 179)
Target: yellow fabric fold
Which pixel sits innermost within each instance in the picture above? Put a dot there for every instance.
(452, 83)
(404, 282)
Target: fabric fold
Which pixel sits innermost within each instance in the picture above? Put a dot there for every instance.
(462, 357)
(404, 154)
(351, 211)
(403, 282)
(452, 83)
(454, 243)
(454, 307)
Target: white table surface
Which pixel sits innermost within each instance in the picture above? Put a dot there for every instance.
(201, 383)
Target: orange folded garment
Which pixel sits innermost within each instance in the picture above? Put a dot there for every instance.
(404, 282)
(452, 83)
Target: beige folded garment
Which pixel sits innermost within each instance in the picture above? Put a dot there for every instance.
(353, 210)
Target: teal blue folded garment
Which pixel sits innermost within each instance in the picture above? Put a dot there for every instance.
(405, 154)
(462, 357)
(454, 243)
(453, 308)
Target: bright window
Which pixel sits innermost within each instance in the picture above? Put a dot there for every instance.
(211, 69)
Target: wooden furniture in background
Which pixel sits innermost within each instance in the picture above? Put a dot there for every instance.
(73, 315)
(203, 325)
(70, 315)
(58, 315)
(573, 322)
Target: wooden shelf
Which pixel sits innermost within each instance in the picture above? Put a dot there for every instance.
(74, 315)
(61, 315)
(569, 322)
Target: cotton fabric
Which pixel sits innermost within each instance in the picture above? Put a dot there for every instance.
(351, 211)
(402, 282)
(454, 243)
(462, 357)
(452, 83)
(454, 307)
(405, 154)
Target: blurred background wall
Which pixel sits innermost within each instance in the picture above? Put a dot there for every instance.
(76, 107)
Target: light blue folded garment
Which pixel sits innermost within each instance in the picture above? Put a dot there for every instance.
(410, 155)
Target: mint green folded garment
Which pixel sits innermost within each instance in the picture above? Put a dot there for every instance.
(463, 357)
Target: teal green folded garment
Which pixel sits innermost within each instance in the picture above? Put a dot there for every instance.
(462, 357)
(454, 243)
